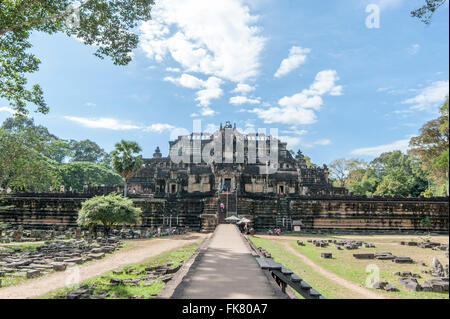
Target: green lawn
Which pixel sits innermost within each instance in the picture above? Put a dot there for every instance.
(152, 287)
(346, 266)
(289, 260)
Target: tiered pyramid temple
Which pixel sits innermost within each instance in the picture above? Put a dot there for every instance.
(207, 177)
(235, 171)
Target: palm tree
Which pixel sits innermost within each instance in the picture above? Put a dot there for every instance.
(124, 161)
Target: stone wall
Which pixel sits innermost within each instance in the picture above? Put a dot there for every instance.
(327, 214)
(353, 214)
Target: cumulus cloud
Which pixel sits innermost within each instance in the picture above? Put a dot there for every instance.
(201, 37)
(119, 125)
(209, 89)
(430, 97)
(243, 88)
(159, 128)
(400, 145)
(292, 141)
(186, 80)
(301, 107)
(103, 122)
(174, 70)
(239, 100)
(297, 57)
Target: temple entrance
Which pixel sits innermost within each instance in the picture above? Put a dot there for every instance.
(227, 206)
(228, 184)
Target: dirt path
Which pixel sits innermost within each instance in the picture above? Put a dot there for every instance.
(139, 251)
(332, 276)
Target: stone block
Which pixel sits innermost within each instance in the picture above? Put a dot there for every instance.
(364, 256)
(33, 273)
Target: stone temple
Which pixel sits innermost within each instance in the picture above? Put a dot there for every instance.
(242, 166)
(207, 177)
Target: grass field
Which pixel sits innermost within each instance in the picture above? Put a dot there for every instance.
(146, 289)
(344, 265)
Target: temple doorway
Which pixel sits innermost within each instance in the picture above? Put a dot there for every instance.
(228, 184)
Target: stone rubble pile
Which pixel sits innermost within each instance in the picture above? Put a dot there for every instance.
(18, 234)
(55, 255)
(347, 244)
(384, 256)
(427, 244)
(144, 278)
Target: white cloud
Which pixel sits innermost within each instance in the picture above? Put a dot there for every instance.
(105, 123)
(7, 110)
(414, 49)
(322, 142)
(186, 80)
(292, 141)
(211, 128)
(301, 107)
(90, 104)
(174, 70)
(429, 97)
(297, 57)
(401, 145)
(243, 88)
(159, 128)
(220, 40)
(210, 89)
(239, 100)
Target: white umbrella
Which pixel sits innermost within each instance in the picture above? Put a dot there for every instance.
(244, 220)
(232, 219)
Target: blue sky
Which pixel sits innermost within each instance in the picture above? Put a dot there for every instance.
(312, 69)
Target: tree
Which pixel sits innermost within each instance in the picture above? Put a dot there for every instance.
(392, 173)
(87, 151)
(107, 24)
(78, 174)
(394, 183)
(110, 210)
(425, 13)
(23, 167)
(124, 162)
(432, 146)
(344, 171)
(53, 147)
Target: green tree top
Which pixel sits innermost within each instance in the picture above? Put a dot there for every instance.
(107, 24)
(124, 160)
(425, 13)
(110, 210)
